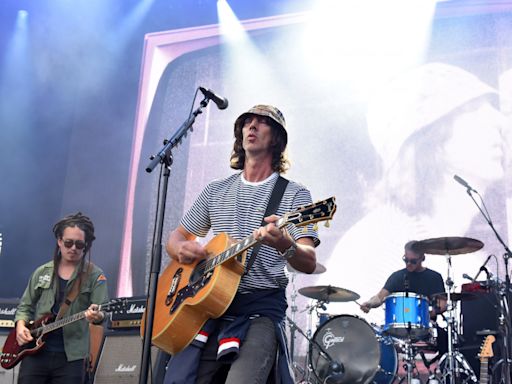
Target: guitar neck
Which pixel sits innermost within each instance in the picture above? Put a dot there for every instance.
(484, 371)
(236, 249)
(58, 324)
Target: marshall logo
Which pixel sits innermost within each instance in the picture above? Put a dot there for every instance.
(8, 311)
(135, 309)
(126, 368)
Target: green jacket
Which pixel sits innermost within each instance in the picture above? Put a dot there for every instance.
(39, 297)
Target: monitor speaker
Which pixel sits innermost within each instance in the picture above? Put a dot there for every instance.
(120, 358)
(478, 315)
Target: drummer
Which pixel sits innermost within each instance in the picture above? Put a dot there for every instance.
(414, 278)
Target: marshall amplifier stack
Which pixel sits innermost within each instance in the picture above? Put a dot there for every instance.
(129, 318)
(120, 353)
(7, 312)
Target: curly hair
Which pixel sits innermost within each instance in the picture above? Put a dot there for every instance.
(280, 162)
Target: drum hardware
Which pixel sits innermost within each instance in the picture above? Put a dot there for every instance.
(328, 293)
(319, 268)
(452, 362)
(448, 246)
(335, 369)
(456, 296)
(293, 310)
(409, 363)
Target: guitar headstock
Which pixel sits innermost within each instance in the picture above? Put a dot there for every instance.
(320, 211)
(115, 305)
(486, 350)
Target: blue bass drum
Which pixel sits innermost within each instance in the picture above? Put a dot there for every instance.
(407, 316)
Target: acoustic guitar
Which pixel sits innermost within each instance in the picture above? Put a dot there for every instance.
(190, 294)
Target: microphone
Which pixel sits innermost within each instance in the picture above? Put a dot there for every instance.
(335, 372)
(464, 183)
(482, 268)
(466, 276)
(222, 102)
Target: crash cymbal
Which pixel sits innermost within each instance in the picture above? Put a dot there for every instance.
(448, 245)
(329, 293)
(456, 296)
(319, 268)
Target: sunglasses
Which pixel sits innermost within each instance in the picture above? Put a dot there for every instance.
(410, 261)
(79, 244)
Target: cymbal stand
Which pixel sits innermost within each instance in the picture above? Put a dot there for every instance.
(409, 362)
(453, 362)
(336, 368)
(293, 311)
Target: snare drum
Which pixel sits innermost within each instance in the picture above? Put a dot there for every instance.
(407, 315)
(366, 356)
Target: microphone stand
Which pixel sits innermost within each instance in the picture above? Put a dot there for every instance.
(164, 157)
(335, 367)
(505, 297)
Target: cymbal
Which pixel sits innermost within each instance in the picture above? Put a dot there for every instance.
(329, 293)
(448, 245)
(319, 268)
(456, 296)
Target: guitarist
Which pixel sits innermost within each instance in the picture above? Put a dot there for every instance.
(62, 358)
(242, 346)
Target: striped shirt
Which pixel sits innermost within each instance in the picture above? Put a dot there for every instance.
(236, 207)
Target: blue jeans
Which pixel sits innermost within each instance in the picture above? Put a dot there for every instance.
(254, 363)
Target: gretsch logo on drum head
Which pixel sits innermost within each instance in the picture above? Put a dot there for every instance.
(329, 339)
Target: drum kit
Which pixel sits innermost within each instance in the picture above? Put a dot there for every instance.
(347, 349)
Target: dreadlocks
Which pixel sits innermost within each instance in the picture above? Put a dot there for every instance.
(75, 220)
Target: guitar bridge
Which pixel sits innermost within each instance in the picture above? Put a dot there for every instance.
(174, 286)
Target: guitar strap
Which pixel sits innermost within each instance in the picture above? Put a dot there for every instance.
(73, 293)
(273, 203)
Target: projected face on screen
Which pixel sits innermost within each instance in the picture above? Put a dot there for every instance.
(383, 135)
(475, 148)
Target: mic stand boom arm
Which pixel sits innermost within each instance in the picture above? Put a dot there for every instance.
(165, 153)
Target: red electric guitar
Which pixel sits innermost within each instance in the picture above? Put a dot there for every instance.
(12, 353)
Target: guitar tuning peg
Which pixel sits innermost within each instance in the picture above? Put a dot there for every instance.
(315, 227)
(327, 224)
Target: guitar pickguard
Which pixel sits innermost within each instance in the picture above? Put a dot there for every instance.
(198, 280)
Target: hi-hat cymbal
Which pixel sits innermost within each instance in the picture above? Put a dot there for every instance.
(319, 268)
(448, 245)
(456, 296)
(329, 293)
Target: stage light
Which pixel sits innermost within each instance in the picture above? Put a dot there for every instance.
(247, 65)
(21, 19)
(364, 40)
